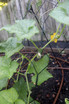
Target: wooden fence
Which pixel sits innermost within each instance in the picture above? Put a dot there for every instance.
(17, 9)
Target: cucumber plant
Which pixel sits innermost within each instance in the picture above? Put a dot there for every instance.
(25, 29)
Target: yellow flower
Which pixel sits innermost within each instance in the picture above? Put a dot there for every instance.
(53, 38)
(2, 4)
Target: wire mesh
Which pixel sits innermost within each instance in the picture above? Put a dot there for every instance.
(39, 10)
(43, 24)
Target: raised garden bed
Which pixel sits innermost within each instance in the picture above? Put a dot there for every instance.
(56, 89)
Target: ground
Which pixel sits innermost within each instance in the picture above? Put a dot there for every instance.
(56, 89)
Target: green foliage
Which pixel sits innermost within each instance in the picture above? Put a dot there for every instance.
(3, 83)
(61, 13)
(36, 67)
(21, 90)
(22, 28)
(7, 67)
(25, 29)
(19, 101)
(66, 101)
(34, 102)
(11, 46)
(8, 96)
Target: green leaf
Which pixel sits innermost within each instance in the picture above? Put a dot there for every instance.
(3, 83)
(66, 101)
(19, 101)
(7, 67)
(61, 13)
(43, 76)
(22, 28)
(35, 102)
(39, 67)
(32, 101)
(11, 46)
(21, 88)
(8, 96)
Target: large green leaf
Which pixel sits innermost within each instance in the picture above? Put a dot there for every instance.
(39, 67)
(19, 101)
(61, 13)
(43, 76)
(11, 46)
(21, 88)
(3, 83)
(66, 101)
(7, 67)
(8, 96)
(22, 28)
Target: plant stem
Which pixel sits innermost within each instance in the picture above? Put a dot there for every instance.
(23, 56)
(34, 44)
(47, 44)
(28, 87)
(58, 28)
(27, 80)
(53, 38)
(62, 30)
(33, 58)
(20, 73)
(25, 74)
(13, 79)
(26, 58)
(19, 67)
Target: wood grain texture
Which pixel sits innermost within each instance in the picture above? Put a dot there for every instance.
(16, 10)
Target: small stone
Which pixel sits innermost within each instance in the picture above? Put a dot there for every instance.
(53, 63)
(67, 89)
(57, 80)
(53, 95)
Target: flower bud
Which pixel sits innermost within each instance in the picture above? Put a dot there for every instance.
(38, 55)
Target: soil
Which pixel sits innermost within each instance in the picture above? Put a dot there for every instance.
(46, 93)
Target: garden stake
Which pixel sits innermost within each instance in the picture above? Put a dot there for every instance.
(60, 59)
(60, 83)
(54, 68)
